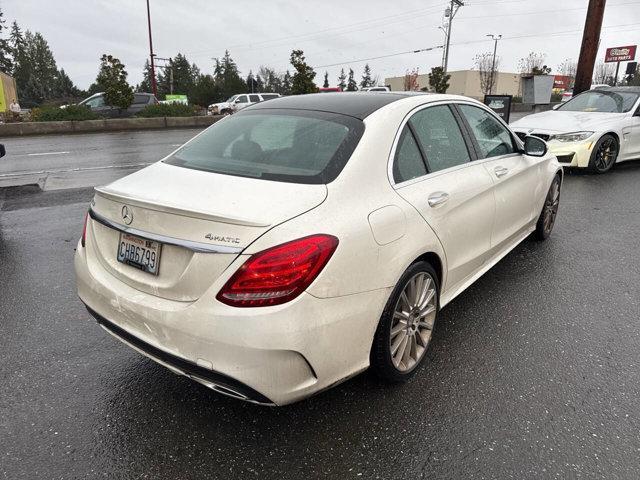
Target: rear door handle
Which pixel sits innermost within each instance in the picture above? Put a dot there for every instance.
(501, 171)
(438, 198)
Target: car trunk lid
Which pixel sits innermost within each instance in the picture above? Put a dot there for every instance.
(202, 220)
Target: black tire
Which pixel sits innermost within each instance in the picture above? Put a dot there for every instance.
(547, 218)
(604, 154)
(381, 357)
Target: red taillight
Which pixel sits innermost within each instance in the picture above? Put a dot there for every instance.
(279, 274)
(84, 229)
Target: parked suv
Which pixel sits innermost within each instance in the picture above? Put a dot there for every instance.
(98, 105)
(238, 102)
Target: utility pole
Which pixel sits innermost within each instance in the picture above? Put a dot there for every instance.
(589, 48)
(450, 12)
(154, 86)
(493, 64)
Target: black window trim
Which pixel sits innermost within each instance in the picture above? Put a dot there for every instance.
(412, 132)
(468, 139)
(515, 141)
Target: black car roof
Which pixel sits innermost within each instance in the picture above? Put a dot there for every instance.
(355, 104)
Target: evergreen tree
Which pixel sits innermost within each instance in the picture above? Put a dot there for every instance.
(205, 91)
(113, 77)
(64, 87)
(366, 81)
(438, 80)
(251, 83)
(352, 86)
(259, 84)
(342, 80)
(286, 84)
(302, 81)
(272, 81)
(227, 77)
(326, 79)
(21, 65)
(6, 62)
(42, 71)
(145, 86)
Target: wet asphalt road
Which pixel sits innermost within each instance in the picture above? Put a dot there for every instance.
(82, 160)
(533, 371)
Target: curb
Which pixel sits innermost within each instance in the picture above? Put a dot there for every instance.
(104, 125)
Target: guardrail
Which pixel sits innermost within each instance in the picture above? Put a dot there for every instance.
(104, 125)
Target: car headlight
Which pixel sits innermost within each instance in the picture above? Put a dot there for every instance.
(572, 137)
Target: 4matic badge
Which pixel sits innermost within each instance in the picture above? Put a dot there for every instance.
(218, 238)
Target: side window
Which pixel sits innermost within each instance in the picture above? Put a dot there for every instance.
(241, 99)
(96, 102)
(493, 138)
(440, 137)
(408, 162)
(254, 98)
(140, 99)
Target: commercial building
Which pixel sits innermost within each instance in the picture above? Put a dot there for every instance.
(7, 92)
(467, 82)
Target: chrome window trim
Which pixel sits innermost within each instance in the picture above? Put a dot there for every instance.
(406, 119)
(188, 244)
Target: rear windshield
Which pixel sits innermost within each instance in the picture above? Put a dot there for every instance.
(295, 146)
(606, 101)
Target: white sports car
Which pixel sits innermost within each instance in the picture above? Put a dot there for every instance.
(593, 130)
(292, 245)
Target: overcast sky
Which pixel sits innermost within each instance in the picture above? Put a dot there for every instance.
(264, 32)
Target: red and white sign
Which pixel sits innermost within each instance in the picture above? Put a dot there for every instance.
(621, 54)
(562, 82)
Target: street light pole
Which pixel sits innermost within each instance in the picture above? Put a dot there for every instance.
(154, 86)
(493, 64)
(453, 9)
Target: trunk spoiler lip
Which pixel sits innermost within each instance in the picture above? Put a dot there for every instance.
(164, 239)
(174, 209)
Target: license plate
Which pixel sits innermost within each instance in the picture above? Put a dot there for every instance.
(139, 253)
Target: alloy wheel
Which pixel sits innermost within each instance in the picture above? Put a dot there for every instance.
(606, 154)
(413, 319)
(551, 206)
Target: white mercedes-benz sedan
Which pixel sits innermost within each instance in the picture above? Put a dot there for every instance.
(290, 246)
(593, 130)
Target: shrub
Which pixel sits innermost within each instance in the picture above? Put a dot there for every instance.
(71, 112)
(167, 110)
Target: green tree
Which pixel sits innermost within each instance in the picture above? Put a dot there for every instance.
(286, 84)
(113, 76)
(366, 81)
(326, 79)
(302, 81)
(342, 80)
(438, 80)
(64, 87)
(205, 91)
(42, 72)
(252, 85)
(272, 80)
(6, 62)
(352, 86)
(21, 65)
(145, 86)
(227, 77)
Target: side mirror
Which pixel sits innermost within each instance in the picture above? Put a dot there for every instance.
(3, 152)
(534, 146)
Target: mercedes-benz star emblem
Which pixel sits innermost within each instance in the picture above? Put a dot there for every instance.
(127, 215)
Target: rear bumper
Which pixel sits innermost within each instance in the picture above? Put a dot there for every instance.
(214, 380)
(271, 355)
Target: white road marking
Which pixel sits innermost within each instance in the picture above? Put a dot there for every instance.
(45, 153)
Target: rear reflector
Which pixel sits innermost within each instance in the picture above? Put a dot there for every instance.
(279, 274)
